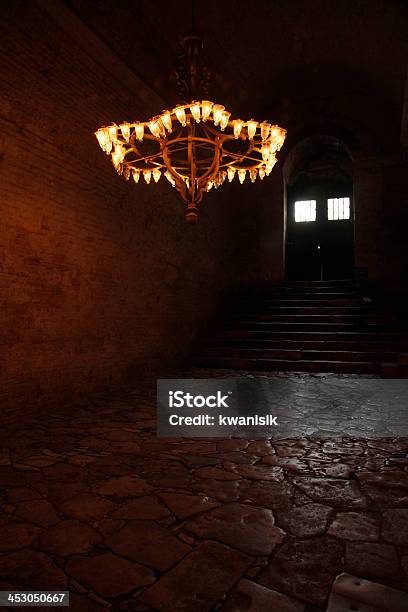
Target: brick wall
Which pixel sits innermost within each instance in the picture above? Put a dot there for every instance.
(100, 280)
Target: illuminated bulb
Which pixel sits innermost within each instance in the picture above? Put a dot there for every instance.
(154, 127)
(147, 175)
(252, 174)
(126, 172)
(270, 164)
(210, 185)
(115, 161)
(166, 120)
(113, 134)
(251, 127)
(206, 107)
(224, 120)
(156, 175)
(231, 173)
(118, 155)
(218, 109)
(170, 178)
(261, 173)
(241, 175)
(272, 147)
(125, 129)
(264, 130)
(136, 175)
(237, 127)
(102, 137)
(195, 111)
(266, 152)
(275, 131)
(223, 176)
(181, 115)
(139, 131)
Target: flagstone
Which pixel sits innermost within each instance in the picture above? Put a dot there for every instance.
(109, 575)
(148, 543)
(199, 580)
(251, 530)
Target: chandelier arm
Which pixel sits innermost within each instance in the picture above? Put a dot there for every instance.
(242, 157)
(180, 184)
(213, 169)
(191, 161)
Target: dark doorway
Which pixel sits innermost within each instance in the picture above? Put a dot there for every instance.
(320, 232)
(320, 212)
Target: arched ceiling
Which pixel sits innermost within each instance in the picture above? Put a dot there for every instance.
(294, 62)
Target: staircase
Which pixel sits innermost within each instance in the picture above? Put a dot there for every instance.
(313, 326)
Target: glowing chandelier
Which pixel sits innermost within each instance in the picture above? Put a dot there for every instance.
(196, 145)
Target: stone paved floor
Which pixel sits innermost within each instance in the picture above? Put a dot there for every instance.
(93, 502)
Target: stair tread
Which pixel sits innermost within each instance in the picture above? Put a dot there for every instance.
(304, 325)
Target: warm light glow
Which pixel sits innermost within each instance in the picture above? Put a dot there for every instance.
(270, 164)
(199, 156)
(251, 127)
(118, 155)
(104, 140)
(265, 152)
(166, 121)
(154, 127)
(231, 173)
(139, 131)
(206, 107)
(218, 109)
(195, 111)
(125, 129)
(241, 175)
(237, 127)
(264, 130)
(224, 120)
(113, 133)
(170, 178)
(181, 115)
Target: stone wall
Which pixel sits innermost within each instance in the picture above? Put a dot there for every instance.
(100, 280)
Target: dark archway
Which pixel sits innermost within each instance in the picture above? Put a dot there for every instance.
(319, 233)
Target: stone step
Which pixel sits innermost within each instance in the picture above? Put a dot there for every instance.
(341, 367)
(296, 354)
(311, 345)
(269, 334)
(287, 302)
(316, 326)
(303, 295)
(321, 283)
(304, 326)
(356, 318)
(303, 310)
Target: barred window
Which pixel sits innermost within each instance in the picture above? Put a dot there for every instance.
(338, 209)
(305, 210)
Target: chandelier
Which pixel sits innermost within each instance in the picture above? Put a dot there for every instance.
(196, 145)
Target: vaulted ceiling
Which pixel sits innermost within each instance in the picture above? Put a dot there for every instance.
(299, 62)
